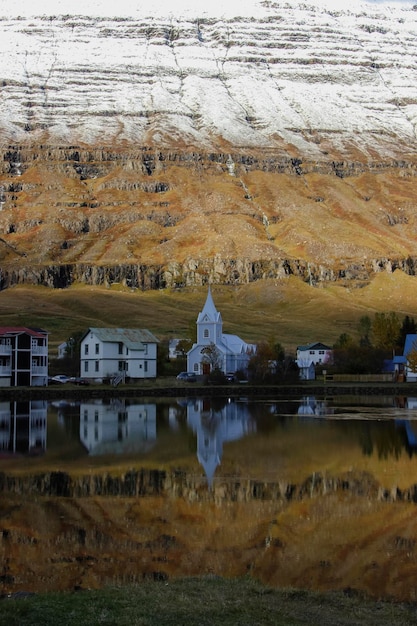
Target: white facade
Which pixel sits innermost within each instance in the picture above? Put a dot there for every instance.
(233, 353)
(109, 352)
(311, 355)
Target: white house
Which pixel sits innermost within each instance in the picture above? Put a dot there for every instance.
(311, 355)
(112, 352)
(23, 356)
(233, 353)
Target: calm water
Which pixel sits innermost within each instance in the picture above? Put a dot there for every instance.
(119, 430)
(307, 492)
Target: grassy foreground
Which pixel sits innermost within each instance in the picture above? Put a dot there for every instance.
(201, 601)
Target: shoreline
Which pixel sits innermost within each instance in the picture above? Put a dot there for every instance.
(316, 388)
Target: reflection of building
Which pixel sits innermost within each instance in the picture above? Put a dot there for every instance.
(106, 352)
(215, 349)
(23, 426)
(23, 356)
(216, 425)
(310, 406)
(117, 427)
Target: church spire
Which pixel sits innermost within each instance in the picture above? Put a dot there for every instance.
(209, 312)
(209, 323)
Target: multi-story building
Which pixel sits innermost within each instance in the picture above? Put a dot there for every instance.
(23, 356)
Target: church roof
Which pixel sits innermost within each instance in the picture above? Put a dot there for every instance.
(209, 312)
(235, 344)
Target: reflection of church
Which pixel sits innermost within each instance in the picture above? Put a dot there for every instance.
(23, 426)
(117, 426)
(214, 425)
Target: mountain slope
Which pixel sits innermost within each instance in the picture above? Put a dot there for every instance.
(222, 144)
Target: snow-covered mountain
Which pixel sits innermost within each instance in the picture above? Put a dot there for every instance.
(303, 78)
(175, 143)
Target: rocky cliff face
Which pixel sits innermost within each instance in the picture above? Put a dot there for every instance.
(172, 150)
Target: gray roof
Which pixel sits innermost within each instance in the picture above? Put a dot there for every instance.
(314, 346)
(133, 338)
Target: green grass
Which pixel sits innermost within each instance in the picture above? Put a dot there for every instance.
(202, 602)
(289, 311)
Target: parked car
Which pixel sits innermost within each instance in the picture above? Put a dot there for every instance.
(77, 380)
(58, 379)
(230, 377)
(190, 377)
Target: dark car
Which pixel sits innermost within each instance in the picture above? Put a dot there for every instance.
(230, 377)
(77, 380)
(190, 377)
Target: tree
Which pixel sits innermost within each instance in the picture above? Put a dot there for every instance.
(385, 330)
(212, 357)
(364, 327)
(412, 358)
(343, 341)
(183, 346)
(408, 327)
(261, 364)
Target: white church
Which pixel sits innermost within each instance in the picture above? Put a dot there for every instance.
(232, 352)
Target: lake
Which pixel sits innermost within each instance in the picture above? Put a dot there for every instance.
(304, 492)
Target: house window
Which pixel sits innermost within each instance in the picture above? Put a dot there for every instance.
(145, 345)
(85, 366)
(206, 333)
(145, 365)
(321, 351)
(97, 348)
(97, 364)
(196, 367)
(86, 348)
(120, 347)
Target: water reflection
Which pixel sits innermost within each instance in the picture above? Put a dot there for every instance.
(118, 427)
(23, 427)
(380, 426)
(215, 423)
(308, 492)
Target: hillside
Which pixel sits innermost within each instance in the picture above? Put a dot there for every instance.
(167, 149)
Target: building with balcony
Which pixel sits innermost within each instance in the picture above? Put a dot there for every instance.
(23, 356)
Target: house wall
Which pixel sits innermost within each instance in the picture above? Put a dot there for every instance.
(101, 359)
(307, 357)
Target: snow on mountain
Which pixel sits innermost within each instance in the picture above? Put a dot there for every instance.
(301, 77)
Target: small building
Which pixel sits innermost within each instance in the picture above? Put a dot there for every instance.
(311, 355)
(62, 350)
(118, 352)
(23, 356)
(232, 354)
(410, 358)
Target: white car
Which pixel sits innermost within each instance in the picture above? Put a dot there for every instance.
(60, 378)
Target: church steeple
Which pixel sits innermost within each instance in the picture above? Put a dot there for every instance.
(209, 323)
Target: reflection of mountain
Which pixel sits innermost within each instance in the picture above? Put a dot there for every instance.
(215, 423)
(118, 427)
(23, 426)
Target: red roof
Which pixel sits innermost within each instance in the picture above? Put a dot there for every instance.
(18, 330)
